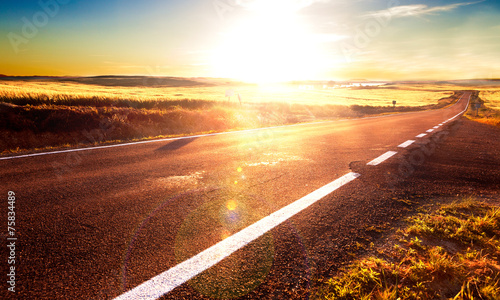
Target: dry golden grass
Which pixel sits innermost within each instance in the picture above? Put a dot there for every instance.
(448, 254)
(491, 98)
(489, 113)
(380, 96)
(48, 113)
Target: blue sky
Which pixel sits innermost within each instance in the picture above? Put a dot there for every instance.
(253, 39)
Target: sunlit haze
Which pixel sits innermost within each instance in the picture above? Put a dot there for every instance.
(252, 40)
(272, 44)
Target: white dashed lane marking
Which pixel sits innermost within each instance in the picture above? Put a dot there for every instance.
(406, 144)
(382, 158)
(178, 275)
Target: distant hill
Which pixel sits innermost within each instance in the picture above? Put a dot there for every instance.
(169, 81)
(132, 81)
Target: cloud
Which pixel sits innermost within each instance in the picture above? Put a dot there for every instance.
(416, 10)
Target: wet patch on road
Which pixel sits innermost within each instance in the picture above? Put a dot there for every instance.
(272, 159)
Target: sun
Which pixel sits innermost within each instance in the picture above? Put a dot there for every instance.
(273, 45)
(274, 6)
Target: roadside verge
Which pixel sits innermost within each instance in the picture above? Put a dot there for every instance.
(440, 244)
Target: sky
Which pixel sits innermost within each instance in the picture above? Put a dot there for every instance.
(252, 40)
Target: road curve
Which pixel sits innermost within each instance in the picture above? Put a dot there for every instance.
(98, 223)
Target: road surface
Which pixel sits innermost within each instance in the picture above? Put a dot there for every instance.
(130, 221)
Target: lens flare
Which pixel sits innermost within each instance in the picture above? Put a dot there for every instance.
(218, 220)
(225, 234)
(231, 205)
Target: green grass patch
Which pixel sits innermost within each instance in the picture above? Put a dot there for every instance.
(452, 253)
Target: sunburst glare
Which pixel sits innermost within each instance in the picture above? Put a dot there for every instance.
(272, 45)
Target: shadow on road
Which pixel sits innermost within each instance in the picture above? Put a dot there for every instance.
(177, 144)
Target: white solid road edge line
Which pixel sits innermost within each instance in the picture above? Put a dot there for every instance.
(204, 135)
(162, 140)
(463, 111)
(189, 137)
(449, 120)
(382, 158)
(176, 276)
(181, 138)
(406, 144)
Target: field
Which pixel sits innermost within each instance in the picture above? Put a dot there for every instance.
(491, 98)
(489, 112)
(62, 92)
(449, 253)
(39, 113)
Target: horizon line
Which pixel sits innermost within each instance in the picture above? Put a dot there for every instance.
(235, 79)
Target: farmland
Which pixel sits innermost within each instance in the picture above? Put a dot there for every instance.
(491, 98)
(60, 112)
(62, 92)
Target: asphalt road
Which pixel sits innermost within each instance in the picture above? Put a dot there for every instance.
(96, 223)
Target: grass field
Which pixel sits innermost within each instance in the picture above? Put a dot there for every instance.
(491, 98)
(489, 112)
(451, 253)
(54, 112)
(62, 93)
